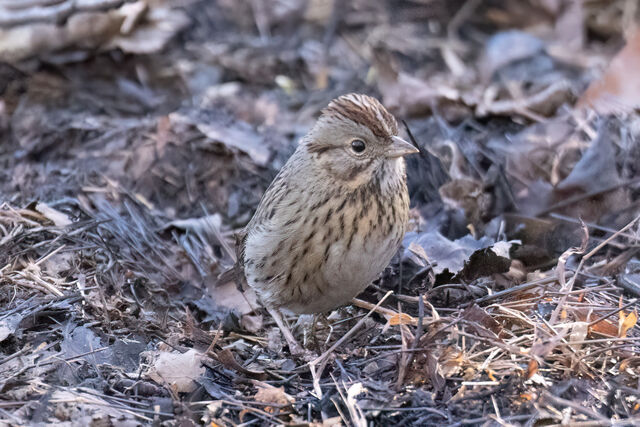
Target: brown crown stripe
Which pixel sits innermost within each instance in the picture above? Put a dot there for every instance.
(365, 112)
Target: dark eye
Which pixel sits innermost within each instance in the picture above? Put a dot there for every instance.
(357, 145)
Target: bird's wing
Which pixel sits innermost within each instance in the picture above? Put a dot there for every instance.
(236, 272)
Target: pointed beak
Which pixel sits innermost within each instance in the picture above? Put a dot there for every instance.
(399, 147)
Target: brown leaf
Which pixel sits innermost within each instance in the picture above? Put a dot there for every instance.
(228, 296)
(229, 361)
(434, 372)
(618, 90)
(479, 315)
(402, 319)
(240, 136)
(596, 169)
(629, 362)
(605, 327)
(274, 395)
(450, 361)
(532, 369)
(627, 322)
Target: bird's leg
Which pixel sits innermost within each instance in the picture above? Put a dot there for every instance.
(314, 336)
(295, 348)
(305, 322)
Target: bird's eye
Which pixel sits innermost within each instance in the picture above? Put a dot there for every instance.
(357, 145)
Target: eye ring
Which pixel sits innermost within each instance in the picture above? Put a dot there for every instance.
(358, 146)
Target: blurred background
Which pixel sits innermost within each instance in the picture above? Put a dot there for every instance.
(184, 100)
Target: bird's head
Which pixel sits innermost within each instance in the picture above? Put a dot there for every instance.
(356, 139)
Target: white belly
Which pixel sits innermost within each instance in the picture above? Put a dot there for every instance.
(348, 272)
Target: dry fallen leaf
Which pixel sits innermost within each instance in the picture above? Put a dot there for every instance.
(630, 362)
(451, 361)
(618, 89)
(596, 169)
(179, 370)
(605, 327)
(226, 357)
(532, 368)
(627, 322)
(505, 48)
(578, 334)
(228, 296)
(273, 395)
(58, 218)
(402, 319)
(476, 314)
(38, 28)
(8, 325)
(238, 136)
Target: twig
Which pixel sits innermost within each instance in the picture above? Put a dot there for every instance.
(610, 238)
(518, 288)
(566, 287)
(550, 398)
(48, 286)
(49, 255)
(590, 225)
(386, 312)
(483, 420)
(414, 344)
(611, 313)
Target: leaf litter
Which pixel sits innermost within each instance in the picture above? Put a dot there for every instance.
(131, 157)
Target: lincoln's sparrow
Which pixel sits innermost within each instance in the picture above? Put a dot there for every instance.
(334, 216)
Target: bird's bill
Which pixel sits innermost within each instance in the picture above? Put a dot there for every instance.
(399, 147)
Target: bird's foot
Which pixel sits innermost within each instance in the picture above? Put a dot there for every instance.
(295, 348)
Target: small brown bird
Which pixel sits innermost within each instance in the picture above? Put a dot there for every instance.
(334, 216)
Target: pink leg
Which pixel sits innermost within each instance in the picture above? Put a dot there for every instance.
(295, 348)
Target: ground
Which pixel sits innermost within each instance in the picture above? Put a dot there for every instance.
(130, 159)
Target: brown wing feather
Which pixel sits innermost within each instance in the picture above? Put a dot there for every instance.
(269, 200)
(236, 272)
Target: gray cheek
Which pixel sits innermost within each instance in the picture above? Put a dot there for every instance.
(338, 165)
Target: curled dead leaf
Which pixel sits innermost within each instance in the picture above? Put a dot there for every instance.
(178, 370)
(275, 396)
(402, 319)
(627, 321)
(58, 218)
(532, 368)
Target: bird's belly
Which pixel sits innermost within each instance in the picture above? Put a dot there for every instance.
(347, 272)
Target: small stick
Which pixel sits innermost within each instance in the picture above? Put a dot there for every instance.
(566, 287)
(549, 398)
(215, 340)
(610, 238)
(517, 288)
(387, 312)
(590, 225)
(414, 345)
(611, 313)
(49, 255)
(48, 286)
